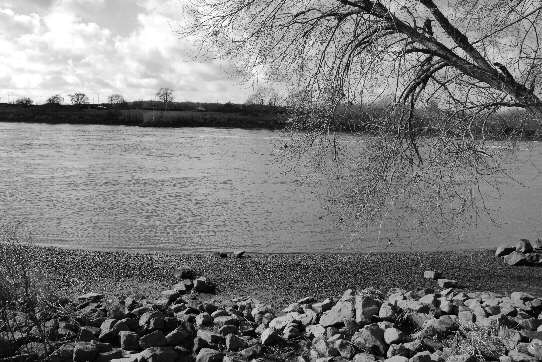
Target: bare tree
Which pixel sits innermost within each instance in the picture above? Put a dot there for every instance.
(115, 99)
(472, 58)
(488, 49)
(78, 98)
(55, 99)
(165, 95)
(25, 101)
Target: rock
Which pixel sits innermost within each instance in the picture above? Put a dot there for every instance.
(447, 283)
(322, 306)
(158, 354)
(235, 343)
(461, 358)
(396, 359)
(392, 335)
(370, 338)
(342, 311)
(63, 353)
(251, 352)
(239, 254)
(115, 353)
(307, 318)
(515, 258)
(226, 320)
(504, 250)
(428, 299)
(291, 331)
(517, 356)
(203, 285)
(209, 355)
(129, 340)
(85, 351)
(424, 356)
(88, 333)
(211, 337)
(270, 337)
(227, 329)
(344, 348)
(153, 339)
(430, 274)
(387, 311)
(367, 307)
(179, 336)
(535, 348)
(364, 357)
(524, 246)
(204, 319)
(90, 297)
(315, 330)
(184, 273)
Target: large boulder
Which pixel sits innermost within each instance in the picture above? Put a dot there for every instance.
(341, 312)
(367, 307)
(515, 258)
(370, 338)
(504, 250)
(158, 354)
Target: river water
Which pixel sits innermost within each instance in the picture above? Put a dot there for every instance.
(195, 189)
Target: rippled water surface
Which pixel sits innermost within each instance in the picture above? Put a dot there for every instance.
(192, 189)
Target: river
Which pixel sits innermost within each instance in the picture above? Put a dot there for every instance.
(193, 190)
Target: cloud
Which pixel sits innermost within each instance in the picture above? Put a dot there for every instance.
(68, 45)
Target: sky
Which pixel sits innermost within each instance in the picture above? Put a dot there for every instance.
(102, 47)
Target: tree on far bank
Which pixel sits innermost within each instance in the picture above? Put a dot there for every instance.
(78, 98)
(55, 99)
(165, 95)
(472, 59)
(25, 101)
(116, 99)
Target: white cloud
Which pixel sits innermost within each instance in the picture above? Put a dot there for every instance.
(60, 49)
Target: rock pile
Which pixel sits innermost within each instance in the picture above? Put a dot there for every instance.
(523, 252)
(363, 325)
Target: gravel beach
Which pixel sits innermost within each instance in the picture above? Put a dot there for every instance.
(278, 278)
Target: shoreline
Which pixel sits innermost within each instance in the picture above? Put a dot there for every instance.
(277, 278)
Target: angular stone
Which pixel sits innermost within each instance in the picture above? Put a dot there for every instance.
(338, 314)
(269, 337)
(370, 338)
(227, 329)
(430, 274)
(235, 343)
(211, 337)
(179, 336)
(159, 354)
(367, 307)
(524, 246)
(365, 357)
(204, 319)
(392, 335)
(129, 340)
(90, 297)
(209, 355)
(504, 250)
(203, 285)
(85, 351)
(153, 339)
(515, 258)
(447, 283)
(251, 352)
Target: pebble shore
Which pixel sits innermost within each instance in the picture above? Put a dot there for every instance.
(279, 278)
(282, 307)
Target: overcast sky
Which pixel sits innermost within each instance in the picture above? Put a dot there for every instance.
(102, 47)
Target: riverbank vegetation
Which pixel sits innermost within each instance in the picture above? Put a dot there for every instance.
(368, 119)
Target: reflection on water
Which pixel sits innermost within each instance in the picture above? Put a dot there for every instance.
(191, 189)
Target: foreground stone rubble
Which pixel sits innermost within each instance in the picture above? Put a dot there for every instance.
(363, 326)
